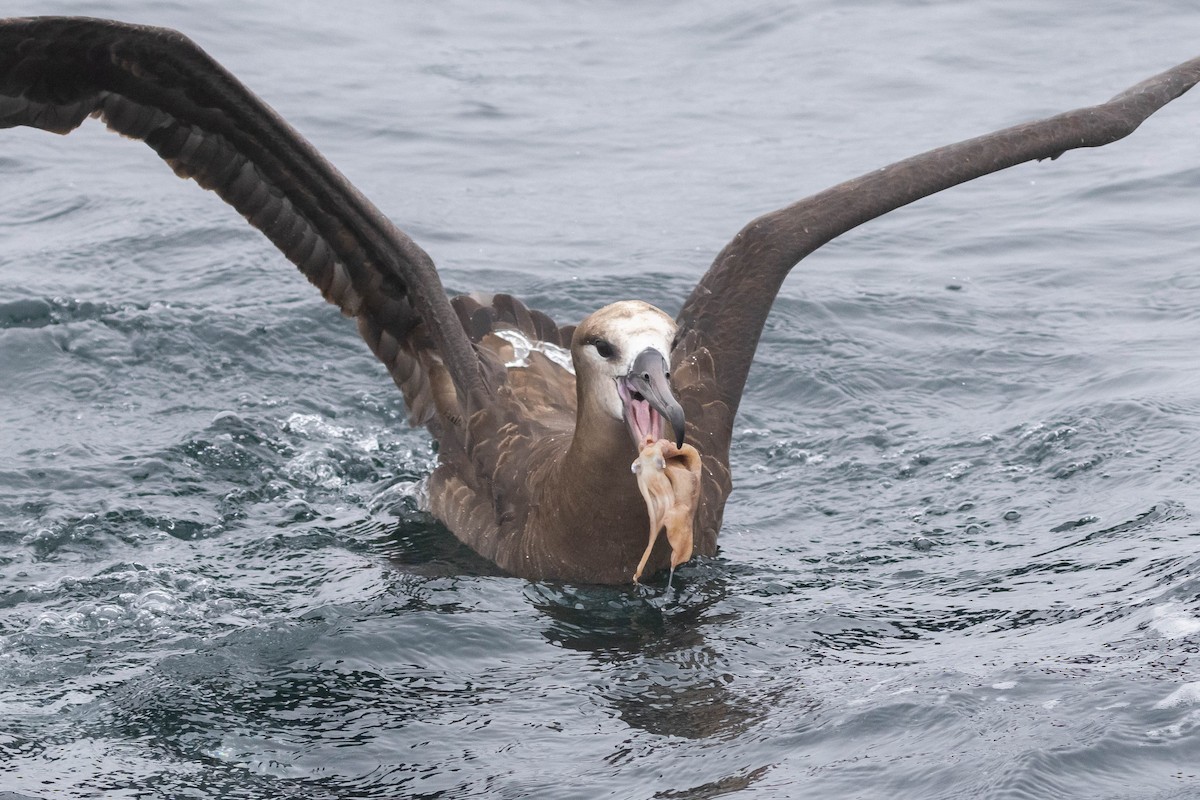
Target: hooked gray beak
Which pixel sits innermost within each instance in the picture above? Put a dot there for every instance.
(647, 393)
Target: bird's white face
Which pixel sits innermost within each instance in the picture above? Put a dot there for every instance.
(622, 356)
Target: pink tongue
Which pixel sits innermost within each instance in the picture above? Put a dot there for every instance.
(646, 421)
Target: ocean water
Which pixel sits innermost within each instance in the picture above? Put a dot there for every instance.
(961, 556)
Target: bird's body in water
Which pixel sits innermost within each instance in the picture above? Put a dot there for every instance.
(534, 449)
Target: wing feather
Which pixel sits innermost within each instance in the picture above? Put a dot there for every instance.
(724, 315)
(155, 85)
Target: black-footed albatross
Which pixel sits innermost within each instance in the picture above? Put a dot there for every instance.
(534, 457)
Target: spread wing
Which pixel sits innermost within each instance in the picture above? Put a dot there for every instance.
(155, 85)
(720, 323)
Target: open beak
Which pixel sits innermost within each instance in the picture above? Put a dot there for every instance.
(646, 393)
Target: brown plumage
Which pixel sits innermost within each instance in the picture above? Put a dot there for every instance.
(533, 467)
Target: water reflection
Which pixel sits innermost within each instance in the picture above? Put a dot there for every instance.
(416, 543)
(658, 672)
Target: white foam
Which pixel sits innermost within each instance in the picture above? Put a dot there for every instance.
(1172, 623)
(1186, 695)
(312, 424)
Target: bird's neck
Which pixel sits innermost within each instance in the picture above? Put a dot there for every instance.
(593, 510)
(599, 442)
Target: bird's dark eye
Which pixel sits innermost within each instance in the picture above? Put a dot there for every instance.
(605, 349)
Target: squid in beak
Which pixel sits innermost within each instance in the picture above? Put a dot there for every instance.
(646, 394)
(669, 480)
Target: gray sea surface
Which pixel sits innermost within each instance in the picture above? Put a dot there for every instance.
(961, 556)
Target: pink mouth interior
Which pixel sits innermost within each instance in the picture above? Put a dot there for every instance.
(643, 420)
